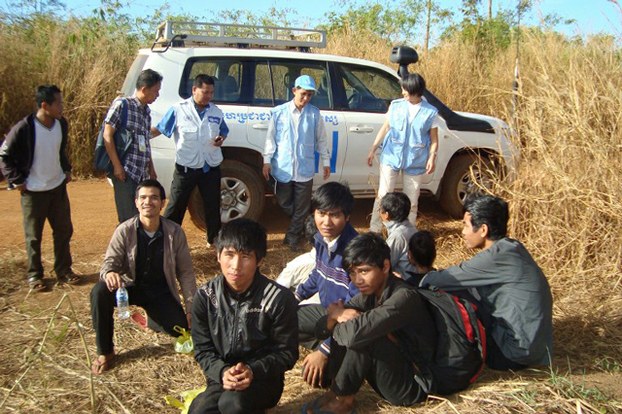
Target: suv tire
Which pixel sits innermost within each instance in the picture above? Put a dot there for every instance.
(459, 181)
(241, 195)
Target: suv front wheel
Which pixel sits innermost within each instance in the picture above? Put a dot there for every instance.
(241, 195)
(464, 176)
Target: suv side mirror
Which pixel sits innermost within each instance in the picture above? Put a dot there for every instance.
(403, 56)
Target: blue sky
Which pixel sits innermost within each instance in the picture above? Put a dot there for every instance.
(592, 16)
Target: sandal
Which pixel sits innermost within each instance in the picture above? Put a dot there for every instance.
(36, 283)
(102, 364)
(70, 278)
(138, 319)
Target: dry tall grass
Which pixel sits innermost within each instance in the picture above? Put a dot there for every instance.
(565, 202)
(88, 63)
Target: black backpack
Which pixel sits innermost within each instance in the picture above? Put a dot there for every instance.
(460, 345)
(122, 140)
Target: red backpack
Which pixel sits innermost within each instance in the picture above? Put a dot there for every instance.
(461, 344)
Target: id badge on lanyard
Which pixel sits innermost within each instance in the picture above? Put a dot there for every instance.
(142, 143)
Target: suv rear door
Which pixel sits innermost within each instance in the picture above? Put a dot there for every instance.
(363, 95)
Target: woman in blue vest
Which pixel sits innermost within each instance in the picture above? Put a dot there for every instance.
(409, 142)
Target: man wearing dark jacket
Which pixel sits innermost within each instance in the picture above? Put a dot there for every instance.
(244, 329)
(384, 335)
(34, 161)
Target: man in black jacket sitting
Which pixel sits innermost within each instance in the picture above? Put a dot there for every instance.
(244, 327)
(384, 335)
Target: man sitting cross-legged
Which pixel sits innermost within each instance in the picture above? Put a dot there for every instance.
(149, 255)
(384, 335)
(513, 296)
(245, 328)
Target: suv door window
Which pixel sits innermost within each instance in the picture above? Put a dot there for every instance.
(284, 73)
(366, 89)
(227, 75)
(262, 93)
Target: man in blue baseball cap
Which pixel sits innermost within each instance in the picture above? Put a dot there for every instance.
(296, 131)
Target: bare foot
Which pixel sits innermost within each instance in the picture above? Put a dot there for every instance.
(329, 402)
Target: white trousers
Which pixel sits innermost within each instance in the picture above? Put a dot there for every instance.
(411, 187)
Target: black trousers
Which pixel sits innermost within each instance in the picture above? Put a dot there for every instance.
(258, 397)
(162, 308)
(295, 200)
(52, 205)
(384, 367)
(184, 181)
(308, 316)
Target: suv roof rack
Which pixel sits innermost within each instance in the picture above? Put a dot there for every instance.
(184, 34)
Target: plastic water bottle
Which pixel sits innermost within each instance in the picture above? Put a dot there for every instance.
(123, 304)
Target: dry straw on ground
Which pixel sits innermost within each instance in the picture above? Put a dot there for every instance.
(565, 207)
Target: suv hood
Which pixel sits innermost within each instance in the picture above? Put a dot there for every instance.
(494, 122)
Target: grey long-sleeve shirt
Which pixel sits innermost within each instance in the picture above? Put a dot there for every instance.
(514, 295)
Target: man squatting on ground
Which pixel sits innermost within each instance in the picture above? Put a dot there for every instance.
(295, 132)
(33, 158)
(149, 255)
(245, 328)
(384, 334)
(137, 165)
(332, 204)
(513, 296)
(198, 128)
(394, 210)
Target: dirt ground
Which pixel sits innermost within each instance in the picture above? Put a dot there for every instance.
(94, 219)
(44, 365)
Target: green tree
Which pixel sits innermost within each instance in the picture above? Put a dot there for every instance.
(397, 21)
(434, 15)
(24, 8)
(490, 34)
(272, 17)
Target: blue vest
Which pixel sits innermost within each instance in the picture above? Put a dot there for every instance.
(407, 144)
(292, 144)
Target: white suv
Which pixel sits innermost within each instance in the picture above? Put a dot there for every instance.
(254, 70)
